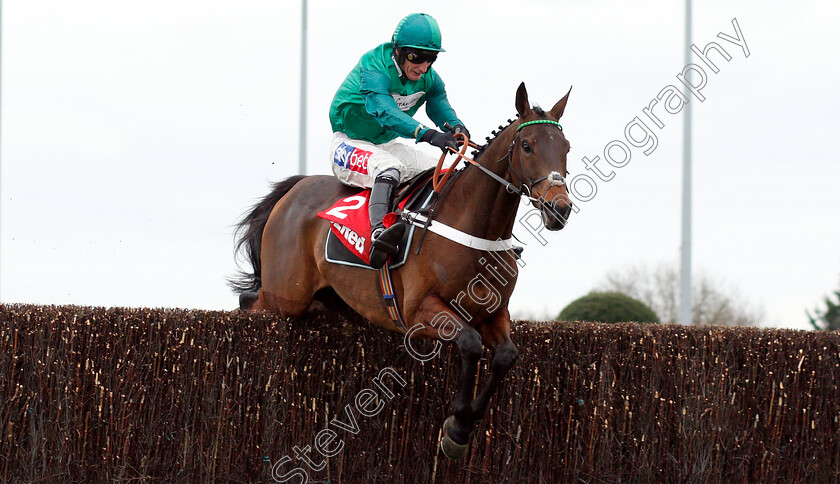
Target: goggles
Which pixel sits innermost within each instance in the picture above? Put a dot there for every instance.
(416, 56)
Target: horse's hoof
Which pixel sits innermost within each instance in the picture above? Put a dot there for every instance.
(450, 448)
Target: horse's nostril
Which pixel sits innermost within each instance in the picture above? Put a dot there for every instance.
(560, 212)
(557, 212)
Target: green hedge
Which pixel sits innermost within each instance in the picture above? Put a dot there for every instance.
(608, 307)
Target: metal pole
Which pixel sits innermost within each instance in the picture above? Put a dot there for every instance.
(685, 270)
(1, 121)
(302, 147)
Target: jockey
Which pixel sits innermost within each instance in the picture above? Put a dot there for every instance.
(374, 106)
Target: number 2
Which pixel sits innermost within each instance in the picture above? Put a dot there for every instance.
(338, 212)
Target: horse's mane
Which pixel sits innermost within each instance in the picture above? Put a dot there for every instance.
(490, 139)
(496, 132)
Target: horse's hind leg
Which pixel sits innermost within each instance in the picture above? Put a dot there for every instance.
(247, 300)
(286, 301)
(289, 285)
(291, 243)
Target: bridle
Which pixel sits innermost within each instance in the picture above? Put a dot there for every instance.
(518, 186)
(554, 178)
(439, 184)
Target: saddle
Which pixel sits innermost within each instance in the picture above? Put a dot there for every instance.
(348, 242)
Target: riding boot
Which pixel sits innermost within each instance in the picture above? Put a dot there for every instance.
(383, 241)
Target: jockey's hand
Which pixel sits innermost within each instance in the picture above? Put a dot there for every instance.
(444, 141)
(460, 128)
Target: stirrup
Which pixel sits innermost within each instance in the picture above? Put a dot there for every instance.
(378, 258)
(385, 245)
(388, 239)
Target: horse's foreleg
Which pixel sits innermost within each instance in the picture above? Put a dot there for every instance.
(471, 349)
(496, 334)
(466, 412)
(458, 427)
(504, 357)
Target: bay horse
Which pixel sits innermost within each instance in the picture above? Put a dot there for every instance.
(284, 242)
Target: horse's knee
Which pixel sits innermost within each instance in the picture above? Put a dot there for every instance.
(505, 357)
(469, 344)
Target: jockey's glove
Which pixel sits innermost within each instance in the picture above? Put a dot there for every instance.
(441, 140)
(460, 128)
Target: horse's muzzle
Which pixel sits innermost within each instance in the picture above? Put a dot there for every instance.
(555, 215)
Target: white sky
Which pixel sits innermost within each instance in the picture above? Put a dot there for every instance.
(134, 134)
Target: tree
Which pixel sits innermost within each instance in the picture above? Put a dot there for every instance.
(828, 319)
(608, 307)
(713, 302)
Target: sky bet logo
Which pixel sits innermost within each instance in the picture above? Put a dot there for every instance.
(352, 158)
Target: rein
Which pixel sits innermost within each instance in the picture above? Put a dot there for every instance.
(524, 190)
(440, 183)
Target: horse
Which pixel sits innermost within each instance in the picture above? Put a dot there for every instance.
(284, 242)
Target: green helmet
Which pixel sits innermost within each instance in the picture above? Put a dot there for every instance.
(418, 30)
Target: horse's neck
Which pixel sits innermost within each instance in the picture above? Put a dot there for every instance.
(476, 203)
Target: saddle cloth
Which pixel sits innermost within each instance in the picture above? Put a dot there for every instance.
(348, 242)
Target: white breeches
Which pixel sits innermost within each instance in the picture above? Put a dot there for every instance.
(357, 163)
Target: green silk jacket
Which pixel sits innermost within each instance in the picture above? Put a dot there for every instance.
(376, 104)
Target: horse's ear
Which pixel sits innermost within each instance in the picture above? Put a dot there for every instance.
(557, 110)
(522, 106)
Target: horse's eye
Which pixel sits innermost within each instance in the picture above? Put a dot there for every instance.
(526, 147)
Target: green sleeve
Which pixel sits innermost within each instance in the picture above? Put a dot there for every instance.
(437, 105)
(375, 89)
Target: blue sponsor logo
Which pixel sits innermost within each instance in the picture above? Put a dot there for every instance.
(342, 155)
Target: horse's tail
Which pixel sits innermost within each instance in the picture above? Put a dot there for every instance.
(249, 233)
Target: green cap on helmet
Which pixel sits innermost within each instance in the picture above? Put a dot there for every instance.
(418, 30)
